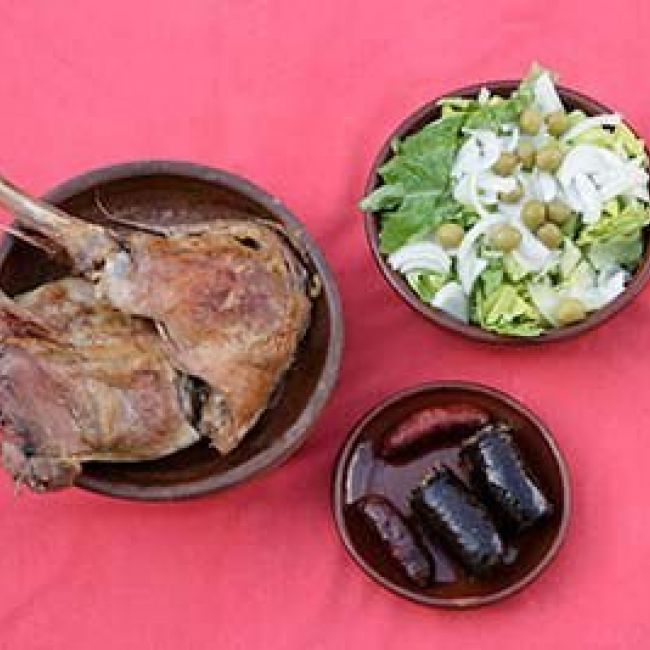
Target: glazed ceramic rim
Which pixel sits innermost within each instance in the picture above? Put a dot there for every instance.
(297, 434)
(425, 114)
(340, 476)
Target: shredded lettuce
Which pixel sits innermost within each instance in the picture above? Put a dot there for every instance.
(622, 251)
(570, 258)
(492, 279)
(620, 219)
(514, 270)
(426, 283)
(620, 139)
(499, 111)
(506, 311)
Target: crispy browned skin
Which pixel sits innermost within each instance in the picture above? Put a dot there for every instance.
(228, 296)
(231, 303)
(80, 381)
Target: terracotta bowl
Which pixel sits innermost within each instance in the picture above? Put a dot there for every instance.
(412, 124)
(175, 192)
(361, 471)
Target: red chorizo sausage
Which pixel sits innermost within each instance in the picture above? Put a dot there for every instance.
(420, 427)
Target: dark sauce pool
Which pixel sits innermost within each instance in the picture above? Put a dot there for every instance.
(361, 471)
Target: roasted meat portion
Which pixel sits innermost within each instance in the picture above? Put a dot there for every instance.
(81, 381)
(231, 303)
(228, 299)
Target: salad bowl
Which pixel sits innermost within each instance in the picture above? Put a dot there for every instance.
(432, 111)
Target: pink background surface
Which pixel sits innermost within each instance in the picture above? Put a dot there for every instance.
(298, 96)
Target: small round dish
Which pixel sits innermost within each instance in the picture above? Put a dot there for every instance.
(430, 112)
(360, 471)
(167, 192)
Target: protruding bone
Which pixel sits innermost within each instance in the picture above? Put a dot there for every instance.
(87, 245)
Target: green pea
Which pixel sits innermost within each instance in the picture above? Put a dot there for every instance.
(450, 235)
(533, 214)
(505, 238)
(506, 164)
(530, 121)
(526, 154)
(549, 157)
(569, 311)
(558, 212)
(557, 123)
(550, 235)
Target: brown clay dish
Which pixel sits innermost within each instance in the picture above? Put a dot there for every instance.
(165, 192)
(360, 471)
(412, 124)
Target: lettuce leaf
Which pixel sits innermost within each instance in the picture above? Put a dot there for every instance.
(418, 217)
(422, 162)
(620, 220)
(426, 283)
(621, 140)
(491, 279)
(506, 311)
(416, 190)
(383, 198)
(623, 251)
(570, 258)
(571, 226)
(515, 271)
(503, 111)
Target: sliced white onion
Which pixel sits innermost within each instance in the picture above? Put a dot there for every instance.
(640, 192)
(590, 176)
(546, 97)
(490, 185)
(589, 197)
(613, 183)
(470, 266)
(545, 186)
(420, 256)
(510, 141)
(607, 287)
(481, 189)
(475, 201)
(531, 254)
(481, 150)
(490, 182)
(609, 119)
(571, 197)
(462, 191)
(546, 300)
(638, 180)
(594, 292)
(422, 264)
(452, 299)
(570, 258)
(510, 210)
(587, 159)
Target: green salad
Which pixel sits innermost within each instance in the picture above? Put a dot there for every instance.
(514, 213)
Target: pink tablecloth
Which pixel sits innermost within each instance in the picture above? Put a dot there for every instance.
(298, 96)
